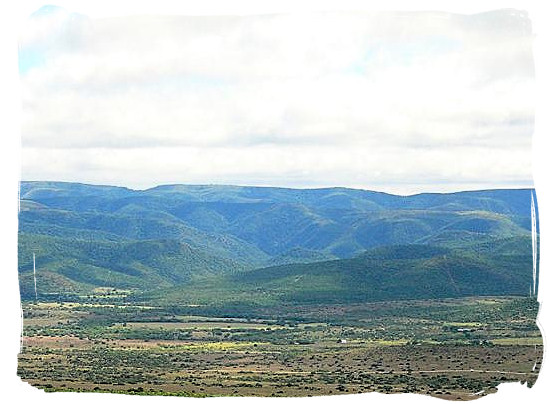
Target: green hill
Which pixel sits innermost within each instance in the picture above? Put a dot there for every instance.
(74, 265)
(384, 273)
(87, 236)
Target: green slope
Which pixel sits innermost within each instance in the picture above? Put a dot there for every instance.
(335, 221)
(385, 273)
(89, 235)
(147, 225)
(81, 265)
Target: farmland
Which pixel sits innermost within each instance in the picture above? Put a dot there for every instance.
(457, 349)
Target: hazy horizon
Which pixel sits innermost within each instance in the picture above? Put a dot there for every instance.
(278, 187)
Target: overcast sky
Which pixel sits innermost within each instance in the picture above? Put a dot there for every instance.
(397, 102)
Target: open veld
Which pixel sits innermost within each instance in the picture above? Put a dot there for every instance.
(457, 349)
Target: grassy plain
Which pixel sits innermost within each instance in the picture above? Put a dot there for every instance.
(458, 349)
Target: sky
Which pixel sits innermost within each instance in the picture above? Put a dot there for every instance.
(402, 102)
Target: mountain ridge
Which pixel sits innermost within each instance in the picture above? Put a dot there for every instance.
(532, 188)
(242, 229)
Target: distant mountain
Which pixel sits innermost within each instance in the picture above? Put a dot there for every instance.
(88, 235)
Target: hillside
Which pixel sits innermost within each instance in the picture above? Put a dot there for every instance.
(385, 273)
(85, 236)
(66, 265)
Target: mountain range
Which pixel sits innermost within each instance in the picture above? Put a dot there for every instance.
(276, 244)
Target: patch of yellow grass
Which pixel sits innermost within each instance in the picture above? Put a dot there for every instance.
(392, 342)
(489, 301)
(518, 341)
(223, 346)
(384, 342)
(455, 324)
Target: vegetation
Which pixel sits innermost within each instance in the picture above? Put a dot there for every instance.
(221, 290)
(451, 348)
(87, 236)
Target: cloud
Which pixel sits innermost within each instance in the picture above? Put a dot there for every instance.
(293, 165)
(422, 90)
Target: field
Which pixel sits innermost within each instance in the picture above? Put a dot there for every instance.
(457, 349)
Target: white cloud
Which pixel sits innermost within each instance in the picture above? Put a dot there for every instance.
(331, 99)
(294, 165)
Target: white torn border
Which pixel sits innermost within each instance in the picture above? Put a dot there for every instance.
(510, 390)
(534, 243)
